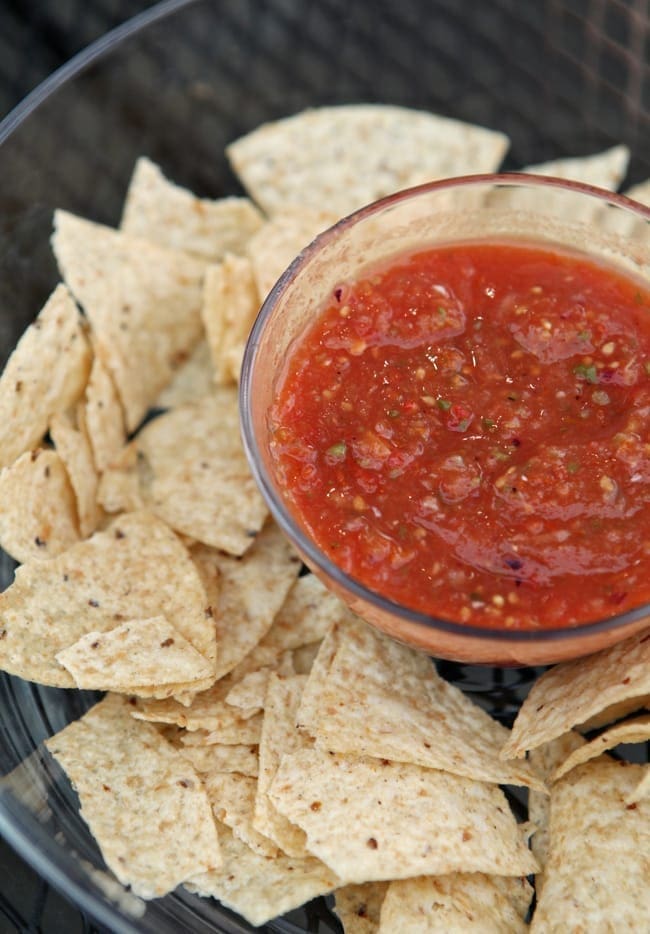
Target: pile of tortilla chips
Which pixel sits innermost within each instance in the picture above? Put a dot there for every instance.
(258, 743)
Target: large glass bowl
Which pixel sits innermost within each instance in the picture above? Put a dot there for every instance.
(178, 83)
(501, 208)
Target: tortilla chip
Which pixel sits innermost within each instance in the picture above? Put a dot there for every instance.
(221, 758)
(279, 241)
(279, 736)
(144, 652)
(104, 417)
(640, 192)
(371, 820)
(159, 210)
(306, 616)
(359, 906)
(345, 157)
(596, 876)
(192, 380)
(258, 888)
(232, 797)
(545, 759)
(603, 169)
(251, 690)
(571, 693)
(143, 302)
(194, 473)
(616, 712)
(45, 374)
(38, 511)
(635, 730)
(230, 306)
(459, 902)
(379, 698)
(135, 569)
(208, 711)
(142, 801)
(245, 593)
(74, 449)
(241, 732)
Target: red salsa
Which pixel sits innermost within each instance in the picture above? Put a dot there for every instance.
(465, 431)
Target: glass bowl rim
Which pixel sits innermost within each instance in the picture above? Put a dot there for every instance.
(280, 511)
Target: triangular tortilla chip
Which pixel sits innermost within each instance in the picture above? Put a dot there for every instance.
(104, 416)
(38, 509)
(281, 239)
(194, 473)
(359, 906)
(146, 653)
(344, 157)
(246, 593)
(74, 449)
(279, 736)
(159, 210)
(135, 569)
(230, 305)
(259, 888)
(142, 801)
(603, 169)
(379, 698)
(192, 380)
(571, 693)
(596, 875)
(635, 730)
(465, 903)
(45, 374)
(232, 797)
(372, 820)
(143, 302)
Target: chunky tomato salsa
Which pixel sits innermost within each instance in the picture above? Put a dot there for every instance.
(466, 432)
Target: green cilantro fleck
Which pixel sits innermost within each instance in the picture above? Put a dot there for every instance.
(393, 413)
(573, 467)
(584, 335)
(488, 423)
(337, 451)
(588, 373)
(443, 404)
(442, 313)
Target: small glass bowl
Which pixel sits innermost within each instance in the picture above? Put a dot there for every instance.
(525, 208)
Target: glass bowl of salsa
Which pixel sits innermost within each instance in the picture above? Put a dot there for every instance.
(446, 403)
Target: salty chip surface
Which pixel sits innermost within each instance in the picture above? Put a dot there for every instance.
(596, 875)
(345, 157)
(135, 569)
(142, 801)
(45, 374)
(143, 302)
